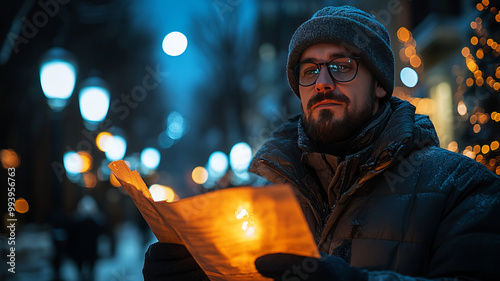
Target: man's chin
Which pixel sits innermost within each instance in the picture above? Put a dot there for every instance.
(326, 127)
(325, 117)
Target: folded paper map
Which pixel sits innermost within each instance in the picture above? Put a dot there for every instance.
(225, 230)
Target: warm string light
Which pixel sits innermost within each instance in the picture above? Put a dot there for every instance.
(408, 52)
(485, 153)
(495, 116)
(487, 45)
(480, 153)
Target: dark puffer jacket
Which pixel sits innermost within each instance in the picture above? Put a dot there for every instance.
(396, 204)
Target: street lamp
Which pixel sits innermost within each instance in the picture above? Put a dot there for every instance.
(58, 77)
(58, 72)
(94, 102)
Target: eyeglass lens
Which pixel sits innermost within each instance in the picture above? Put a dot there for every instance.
(341, 70)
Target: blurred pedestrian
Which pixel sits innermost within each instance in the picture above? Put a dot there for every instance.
(84, 229)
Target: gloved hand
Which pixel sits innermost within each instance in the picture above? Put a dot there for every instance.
(167, 261)
(292, 267)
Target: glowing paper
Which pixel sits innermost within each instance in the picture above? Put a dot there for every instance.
(225, 230)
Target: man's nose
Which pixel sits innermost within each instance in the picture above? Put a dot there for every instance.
(324, 82)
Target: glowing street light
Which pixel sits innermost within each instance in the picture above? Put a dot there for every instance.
(240, 156)
(58, 73)
(58, 77)
(174, 44)
(150, 158)
(199, 175)
(117, 146)
(217, 164)
(94, 102)
(409, 77)
(73, 162)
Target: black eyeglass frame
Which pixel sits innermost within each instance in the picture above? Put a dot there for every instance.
(319, 65)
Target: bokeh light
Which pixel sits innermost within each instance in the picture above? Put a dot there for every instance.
(409, 77)
(9, 158)
(116, 149)
(476, 128)
(174, 44)
(217, 163)
(495, 145)
(240, 156)
(462, 108)
(476, 149)
(415, 61)
(21, 205)
(58, 79)
(465, 51)
(89, 180)
(150, 158)
(199, 175)
(86, 161)
(73, 162)
(453, 146)
(94, 103)
(480, 54)
(176, 125)
(403, 34)
(103, 141)
(162, 193)
(410, 51)
(469, 82)
(473, 119)
(485, 149)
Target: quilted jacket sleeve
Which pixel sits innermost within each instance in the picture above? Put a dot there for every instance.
(467, 243)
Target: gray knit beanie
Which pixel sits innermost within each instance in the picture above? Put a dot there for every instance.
(349, 25)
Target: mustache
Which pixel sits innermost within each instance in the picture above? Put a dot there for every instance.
(332, 95)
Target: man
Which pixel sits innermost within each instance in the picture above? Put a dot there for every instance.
(382, 200)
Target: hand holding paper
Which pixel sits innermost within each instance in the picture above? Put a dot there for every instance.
(172, 262)
(294, 267)
(226, 230)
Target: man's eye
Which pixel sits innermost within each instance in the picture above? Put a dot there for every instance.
(340, 67)
(309, 71)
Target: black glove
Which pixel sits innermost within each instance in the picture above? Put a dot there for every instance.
(166, 261)
(292, 267)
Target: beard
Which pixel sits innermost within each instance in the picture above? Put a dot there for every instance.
(328, 128)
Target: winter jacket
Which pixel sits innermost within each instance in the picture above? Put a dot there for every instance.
(391, 201)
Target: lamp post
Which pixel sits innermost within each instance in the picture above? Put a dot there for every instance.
(58, 77)
(58, 73)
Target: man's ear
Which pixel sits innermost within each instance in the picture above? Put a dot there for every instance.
(379, 91)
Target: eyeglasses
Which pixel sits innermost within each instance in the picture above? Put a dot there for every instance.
(342, 69)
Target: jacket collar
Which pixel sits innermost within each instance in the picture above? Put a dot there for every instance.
(356, 143)
(279, 158)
